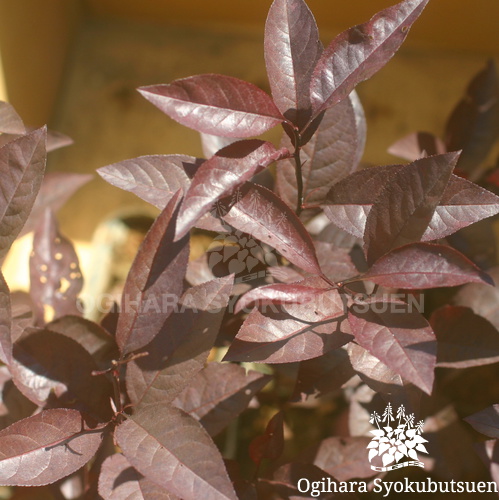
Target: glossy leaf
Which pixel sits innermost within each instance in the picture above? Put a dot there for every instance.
(10, 121)
(486, 421)
(474, 124)
(464, 338)
(418, 145)
(349, 202)
(46, 447)
(292, 49)
(43, 368)
(322, 375)
(406, 205)
(332, 153)
(336, 263)
(293, 293)
(5, 322)
(158, 441)
(55, 191)
(181, 348)
(119, 480)
(154, 283)
(55, 275)
(425, 265)
(259, 212)
(219, 393)
(291, 332)
(463, 203)
(154, 178)
(216, 104)
(374, 372)
(271, 443)
(358, 53)
(22, 164)
(398, 336)
(217, 177)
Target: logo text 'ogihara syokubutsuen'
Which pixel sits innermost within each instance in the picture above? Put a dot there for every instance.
(396, 438)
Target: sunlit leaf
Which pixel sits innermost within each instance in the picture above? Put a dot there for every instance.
(170, 448)
(46, 447)
(217, 177)
(216, 104)
(292, 49)
(358, 53)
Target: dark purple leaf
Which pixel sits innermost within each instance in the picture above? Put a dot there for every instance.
(13, 405)
(474, 124)
(344, 458)
(10, 121)
(22, 164)
(336, 263)
(97, 341)
(294, 293)
(463, 203)
(46, 447)
(322, 375)
(405, 206)
(356, 54)
(259, 212)
(119, 480)
(154, 283)
(217, 177)
(425, 265)
(398, 336)
(292, 332)
(55, 275)
(464, 339)
(374, 372)
(5, 322)
(154, 178)
(219, 393)
(332, 153)
(56, 189)
(449, 440)
(172, 449)
(486, 421)
(48, 367)
(349, 202)
(182, 346)
(292, 49)
(418, 145)
(216, 104)
(271, 443)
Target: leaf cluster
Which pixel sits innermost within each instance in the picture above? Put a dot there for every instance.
(308, 289)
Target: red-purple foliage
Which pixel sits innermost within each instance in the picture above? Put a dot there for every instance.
(312, 280)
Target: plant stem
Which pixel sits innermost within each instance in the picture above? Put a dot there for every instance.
(298, 172)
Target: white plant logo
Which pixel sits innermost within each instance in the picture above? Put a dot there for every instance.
(392, 444)
(239, 251)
